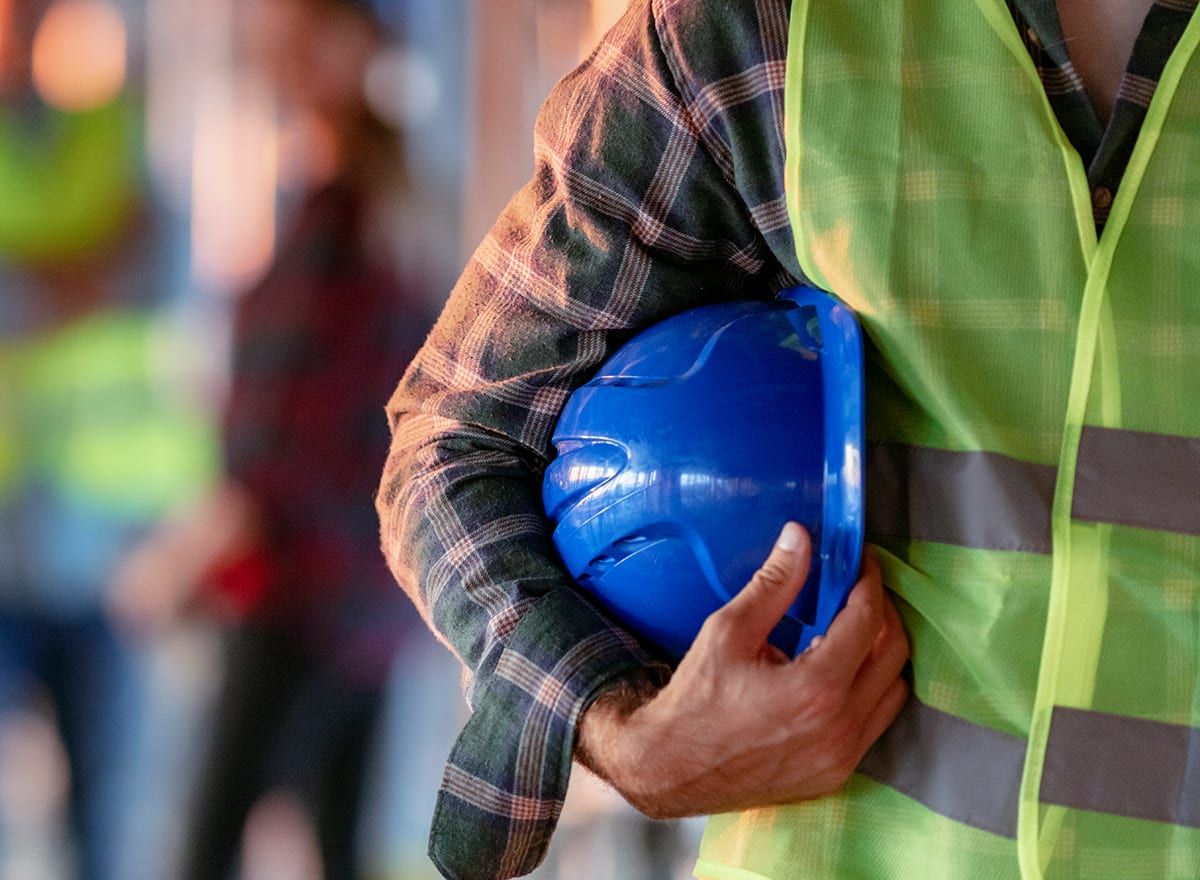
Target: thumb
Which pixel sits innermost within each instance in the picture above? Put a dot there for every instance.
(756, 610)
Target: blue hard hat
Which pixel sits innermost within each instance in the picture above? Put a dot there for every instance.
(680, 461)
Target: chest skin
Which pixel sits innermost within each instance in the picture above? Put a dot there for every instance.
(1100, 35)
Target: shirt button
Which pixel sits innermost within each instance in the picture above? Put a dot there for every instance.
(1101, 197)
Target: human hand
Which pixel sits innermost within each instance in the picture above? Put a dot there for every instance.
(741, 724)
(151, 586)
(163, 580)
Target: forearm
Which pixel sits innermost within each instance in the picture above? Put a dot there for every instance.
(633, 214)
(467, 540)
(464, 533)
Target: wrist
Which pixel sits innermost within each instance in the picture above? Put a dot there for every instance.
(601, 734)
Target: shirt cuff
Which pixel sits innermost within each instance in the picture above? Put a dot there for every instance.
(506, 777)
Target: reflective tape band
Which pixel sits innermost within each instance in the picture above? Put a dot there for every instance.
(1123, 766)
(981, 500)
(955, 768)
(1095, 761)
(989, 501)
(1135, 478)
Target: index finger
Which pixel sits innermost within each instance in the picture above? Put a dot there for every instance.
(852, 634)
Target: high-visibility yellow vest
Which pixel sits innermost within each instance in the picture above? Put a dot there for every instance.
(10, 451)
(101, 423)
(1033, 477)
(70, 182)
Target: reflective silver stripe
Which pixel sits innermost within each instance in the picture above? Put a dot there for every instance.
(1124, 766)
(1133, 478)
(1094, 761)
(972, 499)
(989, 501)
(960, 770)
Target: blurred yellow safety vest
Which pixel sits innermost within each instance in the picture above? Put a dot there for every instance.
(100, 420)
(69, 184)
(10, 444)
(1033, 478)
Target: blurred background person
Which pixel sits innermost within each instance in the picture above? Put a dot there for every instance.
(228, 174)
(96, 443)
(284, 550)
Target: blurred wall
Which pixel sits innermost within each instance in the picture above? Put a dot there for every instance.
(517, 50)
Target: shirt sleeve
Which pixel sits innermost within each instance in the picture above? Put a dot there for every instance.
(649, 196)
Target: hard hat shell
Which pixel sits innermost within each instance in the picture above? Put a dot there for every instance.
(680, 461)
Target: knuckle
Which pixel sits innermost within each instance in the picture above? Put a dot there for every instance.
(900, 652)
(844, 765)
(837, 763)
(824, 702)
(873, 604)
(863, 603)
(720, 627)
(896, 644)
(890, 643)
(770, 574)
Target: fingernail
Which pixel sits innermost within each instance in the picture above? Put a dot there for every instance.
(789, 538)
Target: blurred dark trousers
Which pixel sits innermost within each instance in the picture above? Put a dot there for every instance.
(92, 681)
(282, 722)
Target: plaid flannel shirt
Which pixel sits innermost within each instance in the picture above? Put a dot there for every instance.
(658, 186)
(318, 343)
